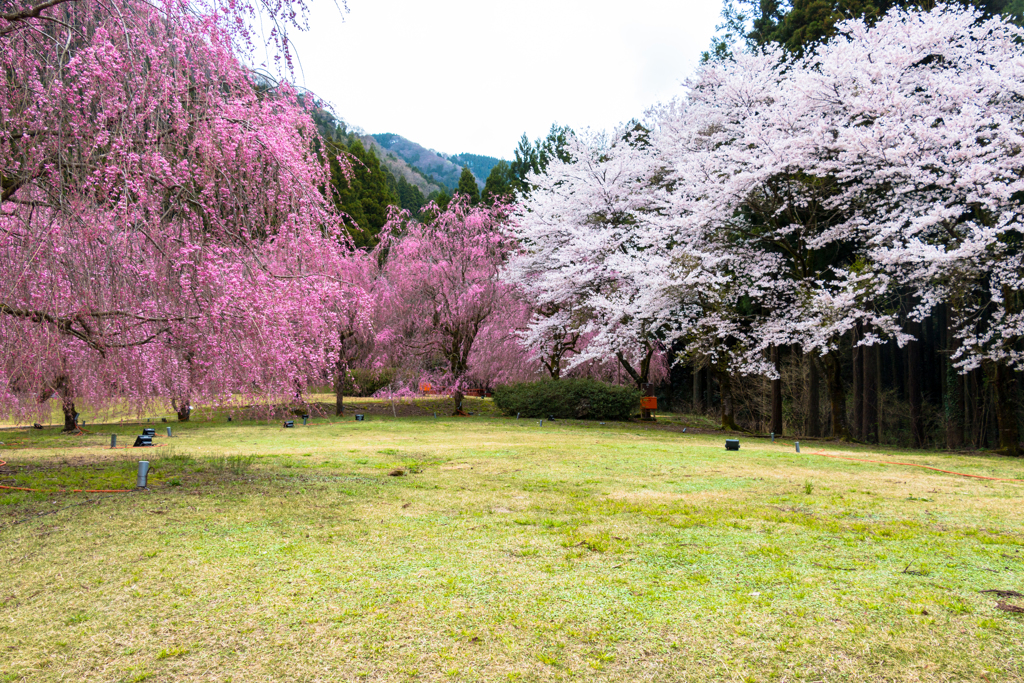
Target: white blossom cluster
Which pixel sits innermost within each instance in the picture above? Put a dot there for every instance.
(783, 200)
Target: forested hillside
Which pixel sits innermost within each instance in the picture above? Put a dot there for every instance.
(443, 170)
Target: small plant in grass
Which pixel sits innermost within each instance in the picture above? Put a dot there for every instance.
(808, 487)
(170, 652)
(78, 618)
(236, 464)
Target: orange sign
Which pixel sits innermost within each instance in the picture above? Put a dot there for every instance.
(649, 402)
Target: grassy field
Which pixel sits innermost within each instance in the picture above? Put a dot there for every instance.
(490, 549)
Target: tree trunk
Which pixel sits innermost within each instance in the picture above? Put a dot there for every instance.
(1006, 410)
(728, 412)
(184, 411)
(836, 395)
(458, 396)
(813, 425)
(899, 374)
(914, 385)
(699, 381)
(954, 394)
(70, 421)
(339, 388)
(629, 370)
(869, 388)
(776, 393)
(856, 429)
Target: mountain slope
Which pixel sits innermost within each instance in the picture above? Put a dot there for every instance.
(401, 168)
(444, 169)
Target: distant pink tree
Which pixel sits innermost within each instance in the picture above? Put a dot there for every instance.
(444, 307)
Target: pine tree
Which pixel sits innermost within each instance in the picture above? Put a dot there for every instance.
(468, 186)
(365, 196)
(500, 183)
(410, 197)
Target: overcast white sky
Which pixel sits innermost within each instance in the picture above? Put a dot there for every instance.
(473, 75)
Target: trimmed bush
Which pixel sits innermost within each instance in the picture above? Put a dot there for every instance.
(360, 382)
(576, 399)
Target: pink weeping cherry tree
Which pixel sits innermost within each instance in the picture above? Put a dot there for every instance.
(444, 310)
(162, 226)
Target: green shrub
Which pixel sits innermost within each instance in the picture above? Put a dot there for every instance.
(362, 382)
(581, 399)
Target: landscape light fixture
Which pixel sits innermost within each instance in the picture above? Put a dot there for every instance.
(304, 418)
(168, 431)
(797, 444)
(289, 424)
(140, 481)
(773, 437)
(149, 431)
(541, 423)
(360, 417)
(143, 441)
(732, 444)
(229, 418)
(113, 440)
(684, 429)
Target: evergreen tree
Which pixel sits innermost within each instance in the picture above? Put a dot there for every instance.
(365, 196)
(441, 198)
(410, 197)
(501, 183)
(534, 158)
(468, 186)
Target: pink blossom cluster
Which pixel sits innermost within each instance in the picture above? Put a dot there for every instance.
(163, 229)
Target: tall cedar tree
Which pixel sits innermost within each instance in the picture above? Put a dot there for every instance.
(364, 196)
(500, 185)
(468, 186)
(534, 157)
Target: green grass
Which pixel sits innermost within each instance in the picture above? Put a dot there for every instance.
(504, 552)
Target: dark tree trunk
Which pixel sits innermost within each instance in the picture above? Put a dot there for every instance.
(914, 385)
(813, 425)
(869, 388)
(953, 396)
(339, 388)
(857, 428)
(929, 384)
(1006, 410)
(457, 396)
(184, 411)
(776, 393)
(836, 395)
(70, 421)
(728, 412)
(899, 376)
(699, 382)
